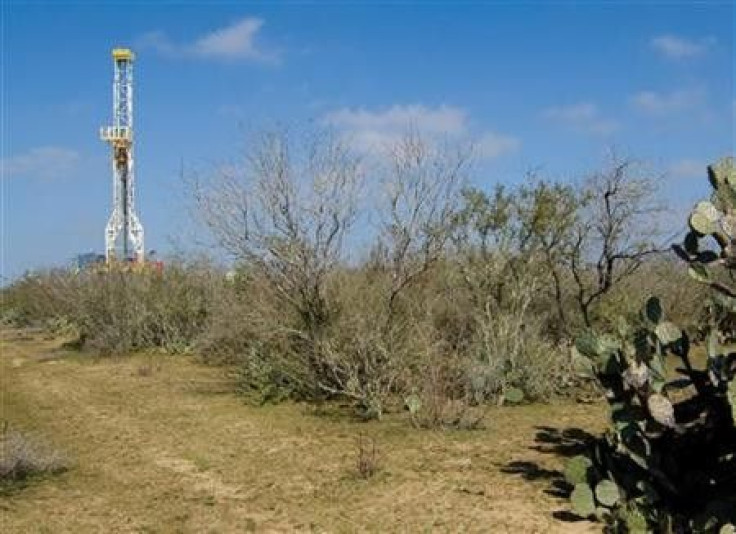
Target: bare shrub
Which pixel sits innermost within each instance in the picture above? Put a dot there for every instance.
(151, 366)
(118, 310)
(317, 328)
(439, 398)
(300, 323)
(22, 457)
(367, 460)
(377, 344)
(12, 317)
(511, 355)
(248, 327)
(509, 351)
(363, 360)
(284, 213)
(241, 313)
(615, 234)
(422, 194)
(32, 300)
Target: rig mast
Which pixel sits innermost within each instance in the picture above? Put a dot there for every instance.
(124, 232)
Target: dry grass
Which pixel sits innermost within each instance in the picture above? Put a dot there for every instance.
(175, 451)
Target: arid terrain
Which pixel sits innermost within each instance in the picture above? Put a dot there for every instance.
(169, 447)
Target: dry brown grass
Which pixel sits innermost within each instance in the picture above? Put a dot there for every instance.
(176, 451)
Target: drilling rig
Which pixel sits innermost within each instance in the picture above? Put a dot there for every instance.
(124, 232)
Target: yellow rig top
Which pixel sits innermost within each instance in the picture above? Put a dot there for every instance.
(122, 54)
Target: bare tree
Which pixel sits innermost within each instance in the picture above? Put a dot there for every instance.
(372, 359)
(422, 192)
(615, 232)
(286, 210)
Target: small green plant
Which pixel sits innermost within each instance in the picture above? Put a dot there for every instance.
(668, 462)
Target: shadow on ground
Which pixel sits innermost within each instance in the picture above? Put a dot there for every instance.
(564, 443)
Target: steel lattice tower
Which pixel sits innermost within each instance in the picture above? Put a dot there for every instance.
(124, 232)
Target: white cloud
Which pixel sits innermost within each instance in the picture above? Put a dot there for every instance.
(236, 42)
(584, 117)
(674, 47)
(687, 168)
(491, 145)
(44, 162)
(444, 119)
(654, 103)
(373, 131)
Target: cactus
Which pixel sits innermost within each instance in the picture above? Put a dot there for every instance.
(606, 493)
(583, 500)
(513, 396)
(576, 471)
(668, 462)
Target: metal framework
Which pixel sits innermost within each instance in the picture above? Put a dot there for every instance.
(124, 232)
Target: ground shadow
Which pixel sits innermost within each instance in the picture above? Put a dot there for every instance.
(565, 443)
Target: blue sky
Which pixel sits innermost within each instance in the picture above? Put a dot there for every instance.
(534, 85)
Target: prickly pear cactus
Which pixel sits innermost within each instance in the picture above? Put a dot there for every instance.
(668, 462)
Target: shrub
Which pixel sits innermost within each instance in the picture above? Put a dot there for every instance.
(117, 309)
(439, 397)
(509, 354)
(22, 457)
(33, 299)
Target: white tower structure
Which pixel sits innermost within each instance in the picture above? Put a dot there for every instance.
(124, 233)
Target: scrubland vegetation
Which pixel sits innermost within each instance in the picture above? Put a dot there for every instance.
(395, 290)
(462, 296)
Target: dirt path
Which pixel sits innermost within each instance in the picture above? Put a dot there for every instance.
(169, 448)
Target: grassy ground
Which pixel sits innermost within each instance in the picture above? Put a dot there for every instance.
(163, 445)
